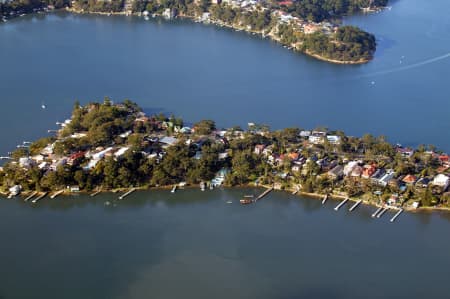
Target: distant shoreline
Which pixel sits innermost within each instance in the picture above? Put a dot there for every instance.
(233, 27)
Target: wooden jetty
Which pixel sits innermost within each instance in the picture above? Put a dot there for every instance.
(31, 196)
(355, 205)
(174, 188)
(341, 204)
(54, 195)
(382, 212)
(96, 192)
(264, 193)
(325, 198)
(127, 193)
(396, 215)
(376, 212)
(39, 197)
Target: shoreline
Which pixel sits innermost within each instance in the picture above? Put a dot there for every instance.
(216, 23)
(290, 190)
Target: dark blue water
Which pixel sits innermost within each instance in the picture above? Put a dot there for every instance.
(193, 244)
(198, 71)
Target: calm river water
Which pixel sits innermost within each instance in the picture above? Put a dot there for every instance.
(193, 244)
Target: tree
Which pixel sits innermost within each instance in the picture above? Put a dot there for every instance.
(205, 127)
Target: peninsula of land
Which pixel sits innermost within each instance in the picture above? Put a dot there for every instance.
(106, 146)
(308, 26)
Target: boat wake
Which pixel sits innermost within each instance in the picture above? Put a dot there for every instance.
(407, 67)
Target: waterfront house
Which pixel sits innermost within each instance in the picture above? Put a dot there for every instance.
(378, 174)
(334, 139)
(393, 200)
(442, 181)
(205, 17)
(349, 167)
(316, 139)
(26, 162)
(168, 13)
(387, 178)
(405, 152)
(305, 134)
(74, 188)
(336, 173)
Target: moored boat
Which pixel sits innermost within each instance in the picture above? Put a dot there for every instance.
(246, 201)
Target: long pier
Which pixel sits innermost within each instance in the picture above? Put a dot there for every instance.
(264, 194)
(127, 193)
(325, 198)
(355, 205)
(376, 212)
(31, 196)
(54, 195)
(39, 197)
(341, 204)
(396, 215)
(382, 212)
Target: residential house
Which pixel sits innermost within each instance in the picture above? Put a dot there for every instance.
(409, 179)
(259, 148)
(405, 152)
(75, 158)
(441, 180)
(334, 139)
(423, 182)
(386, 178)
(336, 173)
(168, 141)
(357, 171)
(379, 173)
(316, 139)
(393, 200)
(26, 162)
(368, 171)
(349, 167)
(305, 133)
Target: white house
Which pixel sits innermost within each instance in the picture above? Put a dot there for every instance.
(333, 139)
(441, 180)
(349, 167)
